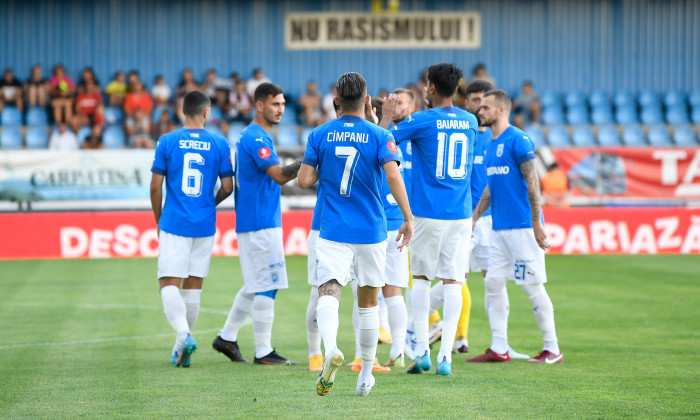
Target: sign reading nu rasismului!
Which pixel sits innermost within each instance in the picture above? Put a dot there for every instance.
(413, 30)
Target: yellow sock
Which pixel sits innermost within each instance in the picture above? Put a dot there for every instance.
(463, 323)
(434, 318)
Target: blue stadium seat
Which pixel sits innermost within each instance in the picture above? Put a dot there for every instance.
(608, 136)
(216, 115)
(684, 136)
(287, 136)
(553, 116)
(599, 98)
(550, 99)
(215, 129)
(11, 138)
(114, 116)
(577, 115)
(37, 138)
(559, 137)
(536, 135)
(583, 137)
(289, 117)
(602, 115)
(648, 98)
(10, 117)
(659, 136)
(113, 138)
(305, 135)
(694, 98)
(84, 133)
(626, 115)
(677, 115)
(37, 117)
(674, 98)
(624, 98)
(575, 99)
(633, 136)
(695, 115)
(652, 115)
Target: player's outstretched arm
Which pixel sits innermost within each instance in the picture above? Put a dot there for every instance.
(225, 190)
(390, 109)
(527, 169)
(398, 190)
(308, 175)
(482, 206)
(157, 195)
(283, 174)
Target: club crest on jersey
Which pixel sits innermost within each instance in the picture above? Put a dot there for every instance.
(391, 146)
(264, 153)
(499, 150)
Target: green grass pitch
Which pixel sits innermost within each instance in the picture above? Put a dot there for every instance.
(88, 338)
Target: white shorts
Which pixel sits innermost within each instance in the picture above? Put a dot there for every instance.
(181, 257)
(396, 268)
(311, 263)
(479, 252)
(440, 248)
(515, 255)
(337, 260)
(262, 260)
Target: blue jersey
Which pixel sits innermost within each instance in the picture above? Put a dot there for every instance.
(191, 161)
(407, 165)
(394, 216)
(510, 204)
(350, 152)
(442, 142)
(318, 209)
(257, 194)
(478, 183)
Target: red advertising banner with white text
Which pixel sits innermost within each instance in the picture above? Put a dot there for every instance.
(664, 230)
(665, 173)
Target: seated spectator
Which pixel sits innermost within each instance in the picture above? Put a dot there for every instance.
(240, 107)
(36, 88)
(95, 139)
(10, 91)
(217, 88)
(131, 79)
(187, 83)
(116, 90)
(328, 102)
(161, 92)
(555, 190)
(138, 129)
(526, 107)
(138, 99)
(479, 73)
(88, 107)
(253, 83)
(87, 76)
(164, 125)
(310, 105)
(63, 139)
(62, 92)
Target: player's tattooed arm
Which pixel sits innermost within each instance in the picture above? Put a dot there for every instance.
(291, 171)
(483, 205)
(283, 174)
(527, 169)
(330, 288)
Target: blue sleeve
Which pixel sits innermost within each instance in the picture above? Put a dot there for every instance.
(406, 129)
(523, 149)
(159, 163)
(264, 154)
(225, 165)
(311, 154)
(388, 150)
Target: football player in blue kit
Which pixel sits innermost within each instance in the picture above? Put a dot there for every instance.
(190, 160)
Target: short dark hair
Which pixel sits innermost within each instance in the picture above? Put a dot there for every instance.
(195, 102)
(266, 89)
(502, 98)
(478, 86)
(445, 77)
(408, 92)
(352, 90)
(377, 103)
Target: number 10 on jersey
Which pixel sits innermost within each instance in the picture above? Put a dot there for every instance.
(455, 170)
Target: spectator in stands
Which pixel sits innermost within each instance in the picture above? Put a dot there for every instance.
(161, 92)
(383, 93)
(132, 79)
(327, 103)
(10, 90)
(63, 139)
(526, 107)
(252, 83)
(555, 190)
(165, 124)
(87, 76)
(62, 92)
(310, 105)
(187, 83)
(116, 90)
(88, 107)
(94, 141)
(36, 88)
(217, 88)
(139, 99)
(479, 73)
(239, 107)
(138, 129)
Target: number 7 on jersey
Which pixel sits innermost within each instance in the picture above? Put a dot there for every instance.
(352, 156)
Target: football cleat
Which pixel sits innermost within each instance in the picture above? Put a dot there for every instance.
(363, 389)
(397, 361)
(463, 349)
(547, 357)
(444, 368)
(376, 367)
(174, 355)
(324, 383)
(384, 336)
(273, 358)
(228, 349)
(515, 355)
(490, 356)
(188, 347)
(316, 363)
(420, 364)
(435, 334)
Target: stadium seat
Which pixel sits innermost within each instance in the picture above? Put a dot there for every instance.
(37, 138)
(114, 116)
(695, 115)
(694, 98)
(599, 98)
(37, 117)
(157, 111)
(652, 115)
(577, 115)
(84, 133)
(624, 98)
(583, 137)
(649, 98)
(11, 138)
(289, 117)
(234, 133)
(287, 136)
(536, 135)
(215, 115)
(633, 136)
(553, 116)
(674, 98)
(608, 136)
(305, 135)
(575, 99)
(551, 99)
(677, 115)
(559, 137)
(10, 117)
(684, 136)
(602, 114)
(659, 136)
(113, 138)
(626, 115)
(214, 129)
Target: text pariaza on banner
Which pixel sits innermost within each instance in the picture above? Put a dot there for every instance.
(409, 30)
